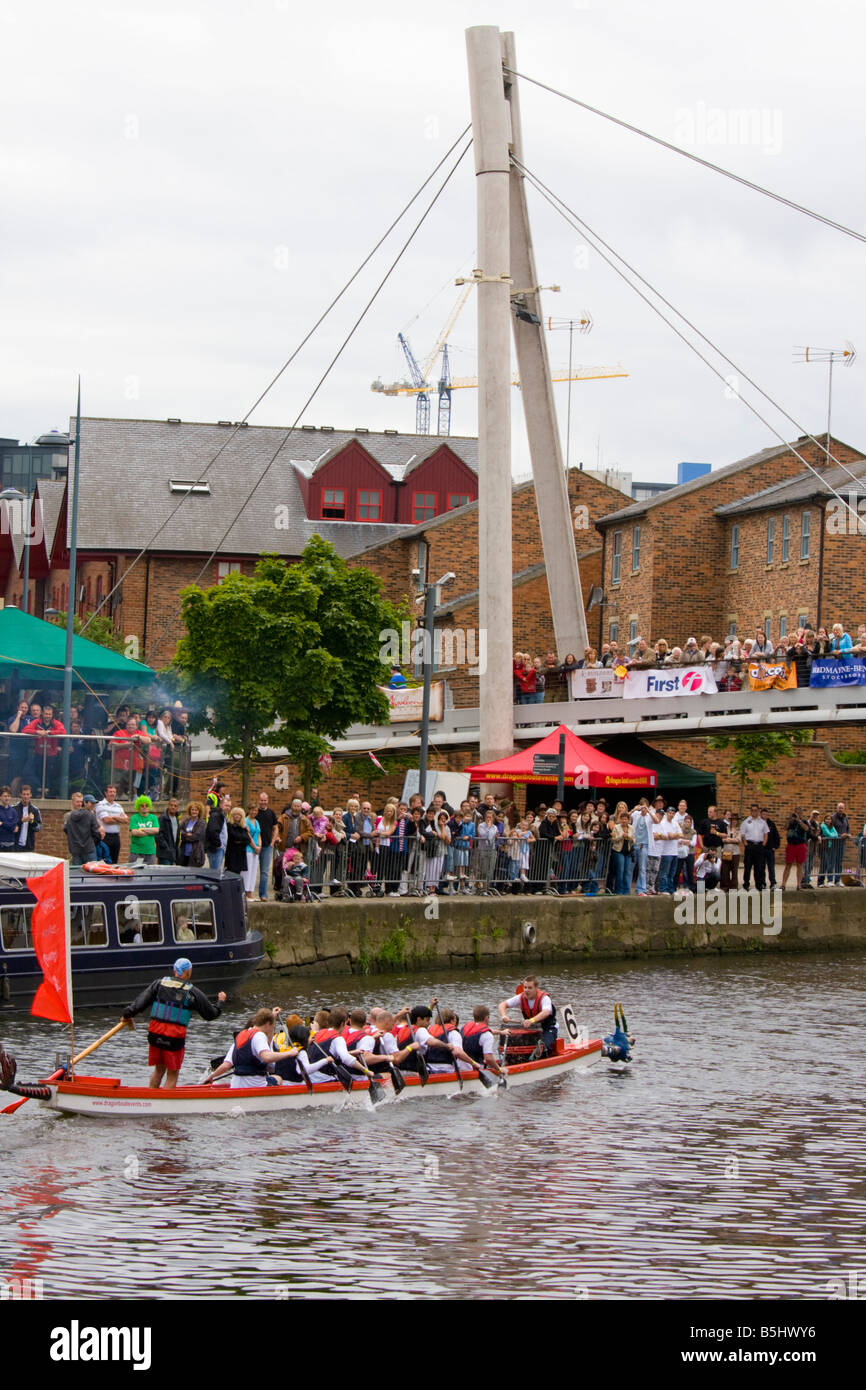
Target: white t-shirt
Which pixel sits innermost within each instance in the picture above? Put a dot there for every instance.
(685, 848)
(259, 1044)
(340, 1051)
(110, 808)
(753, 829)
(389, 1044)
(666, 847)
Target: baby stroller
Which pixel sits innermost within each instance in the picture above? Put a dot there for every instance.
(296, 886)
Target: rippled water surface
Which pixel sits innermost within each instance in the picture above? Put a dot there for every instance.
(727, 1162)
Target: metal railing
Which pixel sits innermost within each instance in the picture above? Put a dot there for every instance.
(134, 764)
(420, 867)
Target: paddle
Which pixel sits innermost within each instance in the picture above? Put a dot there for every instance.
(56, 1076)
(423, 1069)
(343, 1076)
(434, 1004)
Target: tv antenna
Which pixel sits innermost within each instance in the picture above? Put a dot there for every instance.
(844, 355)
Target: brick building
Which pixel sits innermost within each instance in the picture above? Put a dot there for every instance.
(743, 546)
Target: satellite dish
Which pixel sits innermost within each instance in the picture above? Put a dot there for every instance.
(596, 597)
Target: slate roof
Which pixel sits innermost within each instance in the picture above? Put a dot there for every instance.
(672, 495)
(51, 492)
(804, 488)
(127, 465)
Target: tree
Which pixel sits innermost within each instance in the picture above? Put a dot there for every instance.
(754, 753)
(285, 658)
(99, 630)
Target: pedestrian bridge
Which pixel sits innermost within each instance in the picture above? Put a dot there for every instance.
(725, 712)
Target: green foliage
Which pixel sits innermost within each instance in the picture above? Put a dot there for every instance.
(851, 755)
(286, 658)
(754, 753)
(100, 630)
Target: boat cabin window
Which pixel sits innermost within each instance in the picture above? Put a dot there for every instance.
(138, 923)
(88, 925)
(194, 921)
(15, 928)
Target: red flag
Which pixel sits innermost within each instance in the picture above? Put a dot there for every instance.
(376, 761)
(51, 943)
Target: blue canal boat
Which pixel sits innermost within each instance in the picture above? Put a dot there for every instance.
(127, 928)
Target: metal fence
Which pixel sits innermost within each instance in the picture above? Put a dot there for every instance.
(420, 867)
(134, 764)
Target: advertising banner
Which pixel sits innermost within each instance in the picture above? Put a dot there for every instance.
(772, 675)
(595, 685)
(831, 672)
(667, 681)
(407, 702)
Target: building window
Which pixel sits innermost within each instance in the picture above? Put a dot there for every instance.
(227, 567)
(369, 506)
(786, 538)
(632, 632)
(732, 627)
(735, 547)
(783, 626)
(805, 534)
(613, 632)
(616, 558)
(802, 620)
(423, 506)
(333, 504)
(98, 590)
(457, 499)
(635, 550)
(771, 536)
(768, 625)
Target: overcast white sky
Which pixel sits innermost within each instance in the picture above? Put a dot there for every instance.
(185, 185)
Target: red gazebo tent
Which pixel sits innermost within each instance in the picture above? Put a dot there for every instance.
(594, 768)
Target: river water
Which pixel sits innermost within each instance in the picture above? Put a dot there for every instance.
(726, 1162)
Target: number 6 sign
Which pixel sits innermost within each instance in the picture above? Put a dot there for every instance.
(578, 1034)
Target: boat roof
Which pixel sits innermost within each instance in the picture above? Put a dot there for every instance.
(19, 866)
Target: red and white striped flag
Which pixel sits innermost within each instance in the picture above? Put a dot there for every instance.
(375, 761)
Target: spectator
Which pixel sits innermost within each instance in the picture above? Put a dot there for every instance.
(707, 869)
(754, 832)
(398, 680)
(813, 846)
(151, 747)
(238, 841)
(254, 849)
(622, 845)
(762, 646)
(143, 829)
(823, 644)
(267, 820)
(18, 747)
(216, 834)
(10, 822)
(30, 818)
(168, 836)
(668, 833)
(843, 833)
(45, 751)
(840, 643)
(642, 833)
(796, 847)
(773, 843)
(111, 817)
(127, 763)
(730, 866)
(82, 830)
(827, 863)
(191, 852)
(692, 652)
(686, 851)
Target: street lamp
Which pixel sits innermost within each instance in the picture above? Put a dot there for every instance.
(431, 595)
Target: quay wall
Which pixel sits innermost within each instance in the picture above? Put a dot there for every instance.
(372, 936)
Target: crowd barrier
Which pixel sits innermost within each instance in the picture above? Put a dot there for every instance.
(509, 865)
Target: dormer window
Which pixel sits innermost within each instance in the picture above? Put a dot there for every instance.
(369, 506)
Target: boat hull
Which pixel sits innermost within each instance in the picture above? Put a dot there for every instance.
(105, 1097)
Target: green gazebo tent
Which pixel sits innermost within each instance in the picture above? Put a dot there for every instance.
(36, 652)
(673, 778)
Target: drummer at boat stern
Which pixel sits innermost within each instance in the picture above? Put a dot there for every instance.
(172, 1000)
(537, 1008)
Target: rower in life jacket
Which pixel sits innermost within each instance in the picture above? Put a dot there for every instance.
(478, 1041)
(296, 1066)
(412, 1037)
(172, 1000)
(253, 1057)
(537, 1009)
(330, 1042)
(363, 1040)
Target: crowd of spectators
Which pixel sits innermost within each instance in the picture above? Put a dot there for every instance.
(139, 752)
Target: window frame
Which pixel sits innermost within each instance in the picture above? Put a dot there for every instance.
(369, 492)
(635, 550)
(464, 500)
(331, 506)
(27, 909)
(616, 558)
(771, 538)
(735, 546)
(786, 538)
(806, 535)
(188, 906)
(88, 945)
(142, 902)
(419, 520)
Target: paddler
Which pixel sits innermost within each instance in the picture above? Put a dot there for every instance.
(478, 1041)
(447, 1044)
(253, 1057)
(537, 1009)
(172, 1000)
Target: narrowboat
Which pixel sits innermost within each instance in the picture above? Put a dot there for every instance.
(129, 923)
